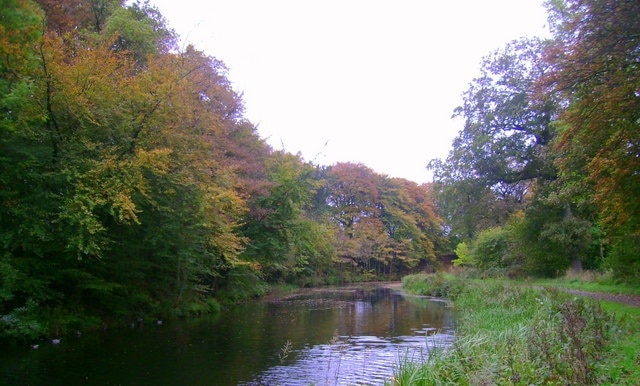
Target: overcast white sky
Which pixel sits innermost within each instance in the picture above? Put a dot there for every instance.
(364, 81)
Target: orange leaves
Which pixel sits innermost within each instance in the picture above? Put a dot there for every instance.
(354, 192)
(382, 218)
(70, 15)
(596, 69)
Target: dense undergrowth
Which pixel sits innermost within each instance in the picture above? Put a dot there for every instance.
(510, 333)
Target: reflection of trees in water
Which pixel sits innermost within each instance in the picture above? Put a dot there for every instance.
(347, 330)
(313, 316)
(373, 332)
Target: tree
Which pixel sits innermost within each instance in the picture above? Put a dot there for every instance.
(353, 196)
(77, 16)
(503, 148)
(25, 201)
(595, 68)
(139, 29)
(116, 199)
(283, 240)
(384, 225)
(414, 230)
(502, 170)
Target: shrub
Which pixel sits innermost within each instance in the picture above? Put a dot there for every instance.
(22, 323)
(490, 249)
(438, 285)
(568, 339)
(463, 256)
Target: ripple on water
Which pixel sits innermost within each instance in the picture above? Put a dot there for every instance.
(353, 360)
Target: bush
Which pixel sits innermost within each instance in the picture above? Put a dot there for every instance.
(567, 341)
(490, 249)
(463, 256)
(22, 323)
(623, 259)
(437, 285)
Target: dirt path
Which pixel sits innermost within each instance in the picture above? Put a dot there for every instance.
(630, 300)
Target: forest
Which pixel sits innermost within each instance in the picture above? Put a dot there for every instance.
(132, 184)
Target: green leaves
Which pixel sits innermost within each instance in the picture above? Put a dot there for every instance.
(502, 152)
(283, 238)
(139, 29)
(113, 190)
(595, 62)
(552, 126)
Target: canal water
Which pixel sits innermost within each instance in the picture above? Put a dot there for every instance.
(338, 336)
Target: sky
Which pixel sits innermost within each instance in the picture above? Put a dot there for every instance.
(364, 81)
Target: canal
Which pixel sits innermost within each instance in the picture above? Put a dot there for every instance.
(331, 336)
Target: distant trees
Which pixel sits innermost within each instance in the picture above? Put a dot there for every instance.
(384, 224)
(284, 239)
(548, 150)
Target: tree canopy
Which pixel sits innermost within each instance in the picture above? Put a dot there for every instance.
(133, 185)
(548, 151)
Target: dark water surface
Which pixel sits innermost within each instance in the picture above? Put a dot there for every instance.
(334, 336)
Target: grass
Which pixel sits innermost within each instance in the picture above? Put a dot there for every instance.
(623, 358)
(509, 333)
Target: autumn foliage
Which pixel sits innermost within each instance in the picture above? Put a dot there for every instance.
(549, 156)
(132, 184)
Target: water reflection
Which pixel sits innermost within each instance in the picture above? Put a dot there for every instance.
(373, 331)
(345, 336)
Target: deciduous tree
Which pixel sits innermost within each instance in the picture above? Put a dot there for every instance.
(502, 149)
(595, 62)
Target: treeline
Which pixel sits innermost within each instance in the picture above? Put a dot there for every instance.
(132, 185)
(545, 174)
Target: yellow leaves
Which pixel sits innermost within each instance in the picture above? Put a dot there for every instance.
(136, 143)
(124, 208)
(112, 183)
(157, 160)
(90, 86)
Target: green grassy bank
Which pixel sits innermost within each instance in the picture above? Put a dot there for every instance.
(510, 333)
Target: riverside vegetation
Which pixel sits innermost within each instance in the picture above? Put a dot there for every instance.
(517, 333)
(133, 186)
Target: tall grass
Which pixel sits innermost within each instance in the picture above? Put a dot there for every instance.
(622, 360)
(511, 334)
